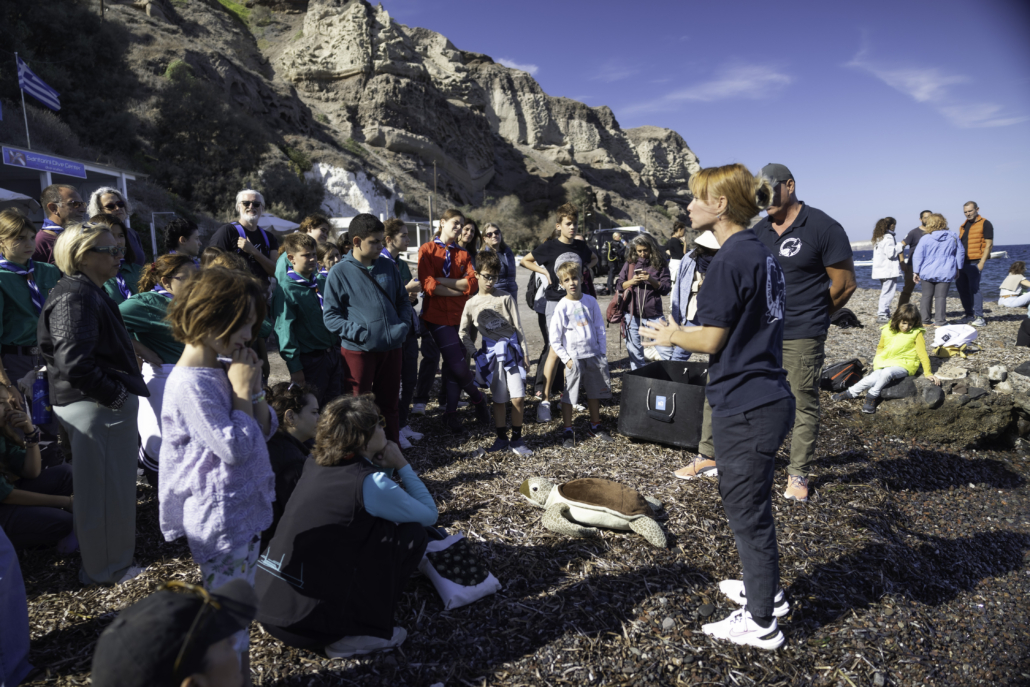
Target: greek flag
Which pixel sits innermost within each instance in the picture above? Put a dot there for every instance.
(36, 87)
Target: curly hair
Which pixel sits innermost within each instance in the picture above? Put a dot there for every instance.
(161, 270)
(882, 227)
(288, 396)
(345, 427)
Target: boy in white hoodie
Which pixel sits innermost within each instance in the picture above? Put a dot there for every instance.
(577, 336)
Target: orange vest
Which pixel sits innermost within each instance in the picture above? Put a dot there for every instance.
(976, 242)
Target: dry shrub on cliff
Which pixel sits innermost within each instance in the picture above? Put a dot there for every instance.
(520, 228)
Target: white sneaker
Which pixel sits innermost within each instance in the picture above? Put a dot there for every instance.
(740, 628)
(418, 409)
(132, 573)
(403, 441)
(364, 644)
(407, 431)
(543, 412)
(579, 408)
(734, 591)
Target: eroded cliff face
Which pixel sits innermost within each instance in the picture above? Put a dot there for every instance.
(411, 92)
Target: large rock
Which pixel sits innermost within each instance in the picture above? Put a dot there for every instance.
(997, 373)
(1023, 369)
(929, 393)
(951, 370)
(898, 389)
(953, 423)
(979, 380)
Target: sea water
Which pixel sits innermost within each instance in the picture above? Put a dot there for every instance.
(994, 271)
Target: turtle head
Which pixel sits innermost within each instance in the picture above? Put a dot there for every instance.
(536, 490)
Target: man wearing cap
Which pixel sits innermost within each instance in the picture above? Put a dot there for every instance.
(179, 636)
(815, 254)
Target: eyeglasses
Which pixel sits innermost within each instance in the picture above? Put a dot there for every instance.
(116, 251)
(488, 277)
(206, 610)
(116, 204)
(491, 234)
(74, 203)
(250, 203)
(381, 422)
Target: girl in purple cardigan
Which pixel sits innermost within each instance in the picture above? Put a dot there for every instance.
(217, 484)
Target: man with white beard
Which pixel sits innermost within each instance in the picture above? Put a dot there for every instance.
(258, 247)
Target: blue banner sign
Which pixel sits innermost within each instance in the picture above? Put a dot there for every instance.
(44, 163)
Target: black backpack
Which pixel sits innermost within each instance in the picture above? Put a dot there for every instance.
(845, 319)
(531, 290)
(840, 376)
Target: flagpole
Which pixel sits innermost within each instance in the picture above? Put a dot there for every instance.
(24, 112)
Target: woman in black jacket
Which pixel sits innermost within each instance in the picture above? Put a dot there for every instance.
(95, 383)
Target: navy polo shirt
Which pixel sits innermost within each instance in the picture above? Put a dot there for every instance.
(743, 292)
(814, 241)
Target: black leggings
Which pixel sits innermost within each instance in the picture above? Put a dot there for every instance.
(1023, 336)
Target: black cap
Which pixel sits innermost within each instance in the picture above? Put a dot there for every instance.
(776, 173)
(140, 647)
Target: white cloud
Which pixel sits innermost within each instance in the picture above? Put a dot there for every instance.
(614, 70)
(750, 82)
(530, 69)
(934, 87)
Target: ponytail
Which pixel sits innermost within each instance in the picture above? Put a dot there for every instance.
(161, 270)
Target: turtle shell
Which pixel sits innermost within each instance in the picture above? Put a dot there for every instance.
(604, 493)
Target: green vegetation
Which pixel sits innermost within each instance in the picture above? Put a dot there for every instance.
(297, 36)
(178, 70)
(663, 211)
(299, 160)
(236, 9)
(321, 117)
(355, 148)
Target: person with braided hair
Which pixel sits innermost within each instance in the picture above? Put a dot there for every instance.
(144, 315)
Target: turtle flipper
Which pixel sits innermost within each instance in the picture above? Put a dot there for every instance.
(556, 519)
(655, 503)
(649, 530)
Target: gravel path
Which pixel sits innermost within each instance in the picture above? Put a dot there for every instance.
(910, 565)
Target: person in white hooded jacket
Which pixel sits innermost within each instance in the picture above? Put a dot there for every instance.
(886, 265)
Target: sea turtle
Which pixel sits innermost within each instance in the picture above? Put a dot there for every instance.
(578, 507)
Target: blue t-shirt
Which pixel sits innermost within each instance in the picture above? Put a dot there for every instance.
(743, 292)
(814, 241)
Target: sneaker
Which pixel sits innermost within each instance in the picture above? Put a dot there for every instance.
(740, 628)
(483, 414)
(543, 412)
(453, 423)
(797, 488)
(869, 407)
(519, 447)
(601, 434)
(701, 466)
(499, 445)
(734, 591)
(412, 435)
(403, 442)
(979, 322)
(964, 320)
(363, 644)
(570, 439)
(842, 396)
(418, 409)
(132, 573)
(882, 319)
(579, 408)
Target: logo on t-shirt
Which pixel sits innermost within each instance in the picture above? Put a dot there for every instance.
(790, 247)
(775, 288)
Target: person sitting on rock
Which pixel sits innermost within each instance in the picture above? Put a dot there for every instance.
(902, 349)
(1014, 291)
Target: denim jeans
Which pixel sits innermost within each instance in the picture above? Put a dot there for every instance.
(876, 380)
(968, 285)
(635, 348)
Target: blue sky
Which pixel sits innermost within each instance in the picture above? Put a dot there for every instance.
(879, 108)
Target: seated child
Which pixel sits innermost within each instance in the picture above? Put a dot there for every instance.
(577, 336)
(35, 504)
(290, 447)
(502, 361)
(1014, 291)
(902, 349)
(349, 540)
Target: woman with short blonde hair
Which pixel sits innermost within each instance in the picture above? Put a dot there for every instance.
(95, 383)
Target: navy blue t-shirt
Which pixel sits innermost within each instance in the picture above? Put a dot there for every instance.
(814, 241)
(743, 292)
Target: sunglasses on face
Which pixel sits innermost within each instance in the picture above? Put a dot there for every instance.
(114, 205)
(491, 234)
(74, 203)
(116, 251)
(250, 203)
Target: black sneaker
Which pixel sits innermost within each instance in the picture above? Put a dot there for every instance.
(870, 404)
(483, 414)
(499, 445)
(842, 396)
(453, 423)
(570, 439)
(600, 434)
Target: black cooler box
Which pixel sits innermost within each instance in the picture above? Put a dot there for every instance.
(663, 402)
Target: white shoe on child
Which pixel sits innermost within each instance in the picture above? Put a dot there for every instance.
(407, 431)
(364, 644)
(403, 442)
(543, 412)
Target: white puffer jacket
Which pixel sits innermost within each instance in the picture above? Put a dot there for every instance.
(885, 257)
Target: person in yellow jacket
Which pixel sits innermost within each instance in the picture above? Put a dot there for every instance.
(902, 349)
